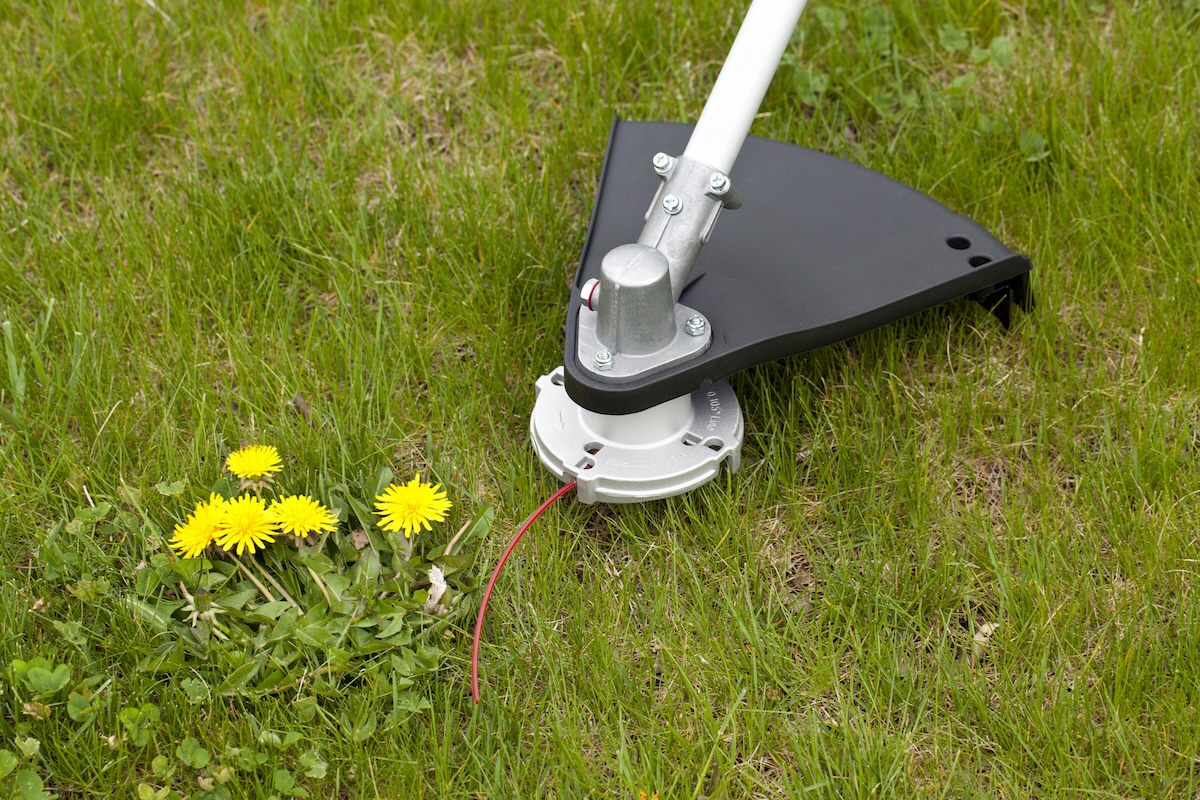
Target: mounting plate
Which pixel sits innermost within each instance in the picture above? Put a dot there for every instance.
(820, 251)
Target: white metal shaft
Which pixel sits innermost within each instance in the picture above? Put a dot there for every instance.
(743, 82)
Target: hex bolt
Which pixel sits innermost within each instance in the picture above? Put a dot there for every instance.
(603, 361)
(672, 204)
(662, 163)
(718, 183)
(696, 325)
(590, 293)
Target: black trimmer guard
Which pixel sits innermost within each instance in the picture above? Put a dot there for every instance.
(820, 251)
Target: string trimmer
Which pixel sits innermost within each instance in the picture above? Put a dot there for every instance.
(673, 298)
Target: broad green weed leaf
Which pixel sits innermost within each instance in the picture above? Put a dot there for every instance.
(810, 84)
(90, 515)
(313, 636)
(20, 669)
(384, 478)
(306, 709)
(953, 38)
(146, 582)
(195, 689)
(173, 489)
(315, 561)
(411, 702)
(79, 707)
(238, 599)
(1032, 145)
(269, 612)
(399, 623)
(28, 747)
(1002, 50)
(139, 722)
(283, 629)
(366, 569)
(337, 503)
(269, 738)
(147, 792)
(237, 680)
(362, 727)
(878, 18)
(961, 84)
(832, 19)
(130, 494)
(452, 564)
(366, 518)
(311, 765)
(73, 633)
(285, 782)
(44, 681)
(191, 753)
(30, 787)
(156, 613)
(336, 584)
(988, 125)
(477, 528)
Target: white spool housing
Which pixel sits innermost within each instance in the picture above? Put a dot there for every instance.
(660, 452)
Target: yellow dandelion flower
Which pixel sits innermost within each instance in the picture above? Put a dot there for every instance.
(408, 507)
(300, 515)
(254, 463)
(196, 534)
(246, 525)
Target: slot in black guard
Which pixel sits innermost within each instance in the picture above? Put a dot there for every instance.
(821, 250)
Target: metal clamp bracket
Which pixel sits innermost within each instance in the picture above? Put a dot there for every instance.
(630, 323)
(684, 212)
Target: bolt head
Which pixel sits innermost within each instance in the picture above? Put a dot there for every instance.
(718, 183)
(696, 325)
(672, 204)
(603, 361)
(662, 162)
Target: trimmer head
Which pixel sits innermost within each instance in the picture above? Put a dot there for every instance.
(818, 250)
(821, 250)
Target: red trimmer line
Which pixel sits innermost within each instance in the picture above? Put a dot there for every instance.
(487, 593)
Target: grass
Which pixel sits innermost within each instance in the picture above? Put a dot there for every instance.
(211, 208)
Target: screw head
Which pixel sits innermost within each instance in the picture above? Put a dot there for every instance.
(672, 204)
(718, 183)
(696, 325)
(603, 361)
(662, 162)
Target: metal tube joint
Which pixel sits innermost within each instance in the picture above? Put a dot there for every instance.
(631, 323)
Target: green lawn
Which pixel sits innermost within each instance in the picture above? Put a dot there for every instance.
(209, 208)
